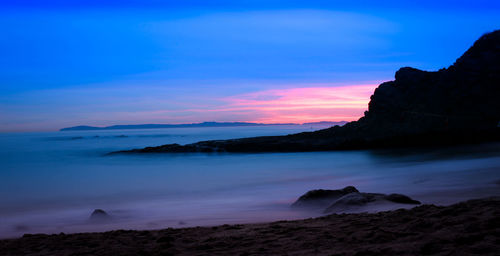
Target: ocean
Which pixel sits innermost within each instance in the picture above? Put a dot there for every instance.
(51, 182)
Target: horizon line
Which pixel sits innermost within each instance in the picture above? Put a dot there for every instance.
(191, 123)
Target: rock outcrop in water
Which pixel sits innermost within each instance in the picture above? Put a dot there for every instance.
(346, 199)
(454, 105)
(322, 197)
(354, 201)
(99, 215)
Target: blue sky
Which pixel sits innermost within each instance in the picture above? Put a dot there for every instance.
(92, 62)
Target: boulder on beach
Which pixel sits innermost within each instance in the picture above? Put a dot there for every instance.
(99, 215)
(322, 197)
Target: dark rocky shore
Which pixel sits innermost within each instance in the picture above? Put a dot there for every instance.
(468, 228)
(455, 105)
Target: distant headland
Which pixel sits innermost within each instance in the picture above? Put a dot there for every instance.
(455, 105)
(203, 124)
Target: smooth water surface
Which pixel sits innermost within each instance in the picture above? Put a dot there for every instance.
(51, 182)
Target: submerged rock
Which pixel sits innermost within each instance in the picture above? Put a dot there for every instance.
(356, 200)
(352, 200)
(322, 197)
(400, 199)
(348, 198)
(99, 215)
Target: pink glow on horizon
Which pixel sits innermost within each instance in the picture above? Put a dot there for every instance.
(293, 105)
(299, 105)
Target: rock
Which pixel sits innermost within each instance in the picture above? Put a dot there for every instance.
(99, 215)
(322, 197)
(345, 199)
(351, 200)
(463, 97)
(400, 199)
(357, 200)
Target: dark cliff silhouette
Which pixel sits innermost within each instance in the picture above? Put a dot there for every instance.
(454, 105)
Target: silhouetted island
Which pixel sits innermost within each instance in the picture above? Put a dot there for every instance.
(204, 124)
(455, 105)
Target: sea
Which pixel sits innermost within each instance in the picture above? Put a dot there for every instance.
(51, 182)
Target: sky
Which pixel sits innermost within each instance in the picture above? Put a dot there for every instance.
(68, 63)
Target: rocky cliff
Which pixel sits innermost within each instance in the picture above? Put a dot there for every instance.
(465, 96)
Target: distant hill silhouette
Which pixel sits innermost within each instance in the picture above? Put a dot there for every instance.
(327, 123)
(204, 124)
(458, 104)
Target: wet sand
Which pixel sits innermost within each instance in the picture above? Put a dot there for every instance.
(467, 228)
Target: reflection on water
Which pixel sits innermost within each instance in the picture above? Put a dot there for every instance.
(51, 182)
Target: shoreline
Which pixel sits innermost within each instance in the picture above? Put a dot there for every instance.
(470, 227)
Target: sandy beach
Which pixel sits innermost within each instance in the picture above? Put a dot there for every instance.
(467, 228)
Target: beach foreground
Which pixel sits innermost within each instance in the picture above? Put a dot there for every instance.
(471, 227)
